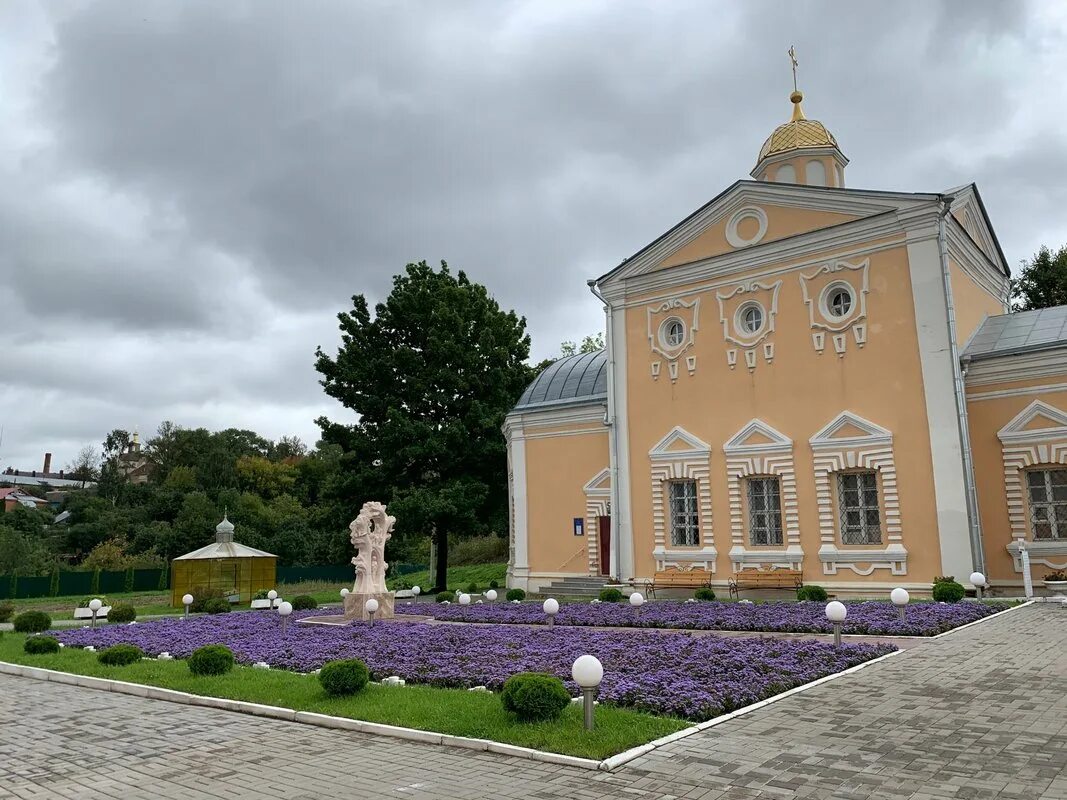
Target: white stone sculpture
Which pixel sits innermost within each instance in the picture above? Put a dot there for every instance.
(371, 529)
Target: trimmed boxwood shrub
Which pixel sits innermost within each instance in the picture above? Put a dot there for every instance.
(123, 612)
(119, 655)
(38, 645)
(217, 605)
(472, 588)
(494, 584)
(704, 593)
(446, 595)
(6, 610)
(343, 677)
(515, 594)
(948, 592)
(534, 696)
(261, 595)
(32, 622)
(211, 659)
(610, 595)
(304, 602)
(812, 593)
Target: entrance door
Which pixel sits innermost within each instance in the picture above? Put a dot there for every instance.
(603, 532)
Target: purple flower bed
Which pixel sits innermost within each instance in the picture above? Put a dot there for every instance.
(696, 677)
(870, 618)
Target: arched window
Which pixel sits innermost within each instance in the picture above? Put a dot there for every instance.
(786, 174)
(815, 173)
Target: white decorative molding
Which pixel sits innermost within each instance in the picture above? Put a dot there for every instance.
(872, 449)
(772, 456)
(739, 216)
(1020, 450)
(691, 364)
(817, 285)
(732, 299)
(686, 311)
(681, 456)
(597, 504)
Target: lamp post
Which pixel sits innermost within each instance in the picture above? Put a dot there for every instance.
(95, 605)
(551, 608)
(187, 600)
(836, 613)
(284, 610)
(587, 672)
(900, 598)
(637, 600)
(371, 607)
(416, 590)
(272, 596)
(978, 581)
(491, 595)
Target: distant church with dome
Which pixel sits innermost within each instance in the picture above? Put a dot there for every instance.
(803, 377)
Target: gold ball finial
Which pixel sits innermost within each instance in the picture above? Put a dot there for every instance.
(796, 96)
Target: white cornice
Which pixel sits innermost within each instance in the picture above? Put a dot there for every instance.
(789, 155)
(1019, 366)
(972, 260)
(518, 422)
(817, 198)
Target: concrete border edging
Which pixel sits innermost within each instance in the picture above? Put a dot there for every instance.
(983, 619)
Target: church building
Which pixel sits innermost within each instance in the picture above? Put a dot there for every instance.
(804, 376)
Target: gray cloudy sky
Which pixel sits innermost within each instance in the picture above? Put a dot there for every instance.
(191, 190)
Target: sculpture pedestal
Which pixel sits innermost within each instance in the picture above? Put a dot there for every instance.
(355, 605)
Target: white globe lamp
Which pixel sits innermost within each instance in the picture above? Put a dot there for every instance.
(836, 613)
(371, 607)
(272, 596)
(284, 610)
(416, 590)
(187, 600)
(900, 598)
(464, 599)
(636, 601)
(551, 608)
(587, 672)
(978, 581)
(491, 595)
(95, 605)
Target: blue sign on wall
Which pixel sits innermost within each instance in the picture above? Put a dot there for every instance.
(579, 526)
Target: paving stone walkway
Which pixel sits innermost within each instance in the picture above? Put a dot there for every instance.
(978, 714)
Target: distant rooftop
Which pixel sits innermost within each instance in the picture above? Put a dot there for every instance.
(572, 380)
(1022, 332)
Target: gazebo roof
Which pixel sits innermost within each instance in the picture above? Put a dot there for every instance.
(225, 550)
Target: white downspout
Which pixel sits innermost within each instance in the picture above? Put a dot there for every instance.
(973, 518)
(614, 568)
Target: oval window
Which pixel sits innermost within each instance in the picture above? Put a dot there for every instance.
(673, 333)
(839, 301)
(750, 318)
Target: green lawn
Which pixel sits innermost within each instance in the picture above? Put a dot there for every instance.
(459, 577)
(451, 711)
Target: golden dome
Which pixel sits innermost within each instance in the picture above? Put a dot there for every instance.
(797, 134)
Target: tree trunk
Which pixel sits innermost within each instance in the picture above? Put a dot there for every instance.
(440, 569)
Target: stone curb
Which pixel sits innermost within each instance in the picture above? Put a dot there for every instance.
(290, 715)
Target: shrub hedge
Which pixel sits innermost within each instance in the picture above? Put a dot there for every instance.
(216, 605)
(122, 612)
(515, 594)
(38, 645)
(534, 696)
(610, 595)
(446, 595)
(948, 592)
(119, 655)
(304, 602)
(344, 677)
(812, 592)
(211, 659)
(32, 622)
(6, 611)
(704, 593)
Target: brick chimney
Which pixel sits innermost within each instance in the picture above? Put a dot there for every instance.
(47, 463)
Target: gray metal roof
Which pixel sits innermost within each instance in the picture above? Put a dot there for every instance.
(572, 380)
(224, 550)
(1024, 331)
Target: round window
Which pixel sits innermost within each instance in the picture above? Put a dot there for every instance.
(839, 301)
(673, 333)
(750, 318)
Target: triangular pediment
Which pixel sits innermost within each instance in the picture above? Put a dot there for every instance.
(968, 210)
(850, 430)
(757, 436)
(601, 482)
(732, 222)
(1038, 420)
(679, 442)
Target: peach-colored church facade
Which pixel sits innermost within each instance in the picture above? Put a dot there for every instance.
(804, 375)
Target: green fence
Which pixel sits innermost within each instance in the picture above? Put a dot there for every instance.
(151, 580)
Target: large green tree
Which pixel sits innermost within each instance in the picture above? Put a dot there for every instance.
(1042, 282)
(430, 377)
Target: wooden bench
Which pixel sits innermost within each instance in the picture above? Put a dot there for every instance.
(765, 579)
(678, 579)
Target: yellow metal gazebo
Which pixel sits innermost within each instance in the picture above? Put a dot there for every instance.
(237, 570)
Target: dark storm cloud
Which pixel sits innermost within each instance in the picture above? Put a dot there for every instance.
(192, 190)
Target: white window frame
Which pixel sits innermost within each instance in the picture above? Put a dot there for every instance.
(764, 523)
(684, 513)
(862, 508)
(1049, 506)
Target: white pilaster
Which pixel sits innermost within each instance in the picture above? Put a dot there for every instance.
(622, 545)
